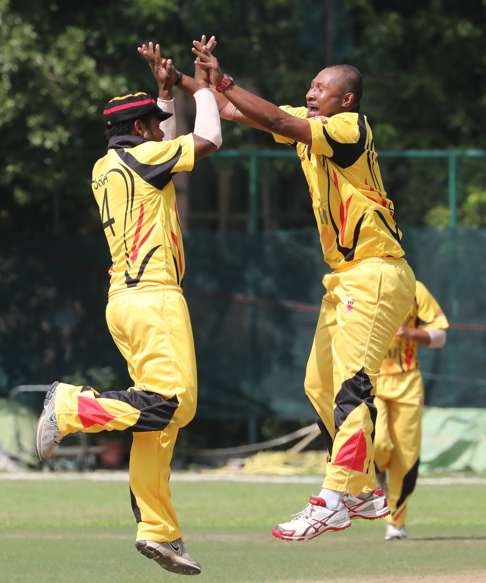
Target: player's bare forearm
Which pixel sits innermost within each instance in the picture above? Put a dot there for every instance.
(227, 110)
(188, 84)
(268, 116)
(418, 335)
(230, 112)
(251, 109)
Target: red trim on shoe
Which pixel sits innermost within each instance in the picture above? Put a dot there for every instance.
(317, 501)
(288, 535)
(354, 510)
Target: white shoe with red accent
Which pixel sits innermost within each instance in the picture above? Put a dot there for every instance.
(370, 508)
(314, 520)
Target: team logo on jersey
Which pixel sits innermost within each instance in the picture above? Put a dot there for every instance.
(349, 304)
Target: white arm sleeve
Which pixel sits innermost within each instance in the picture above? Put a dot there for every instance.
(207, 124)
(168, 126)
(438, 337)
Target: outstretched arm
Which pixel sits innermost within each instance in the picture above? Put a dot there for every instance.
(207, 127)
(265, 114)
(230, 112)
(165, 76)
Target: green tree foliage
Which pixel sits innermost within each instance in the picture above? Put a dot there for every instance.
(59, 65)
(424, 66)
(424, 62)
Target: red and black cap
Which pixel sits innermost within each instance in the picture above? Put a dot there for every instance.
(131, 106)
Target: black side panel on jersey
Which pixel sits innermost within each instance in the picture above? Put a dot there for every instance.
(394, 233)
(157, 175)
(345, 155)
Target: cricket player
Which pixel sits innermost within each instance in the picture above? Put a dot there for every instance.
(146, 313)
(399, 402)
(368, 292)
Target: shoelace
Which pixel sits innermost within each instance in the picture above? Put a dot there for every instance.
(308, 510)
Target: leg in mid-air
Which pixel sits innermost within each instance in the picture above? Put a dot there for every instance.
(319, 515)
(162, 364)
(361, 311)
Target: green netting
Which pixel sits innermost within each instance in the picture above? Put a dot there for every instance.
(254, 302)
(454, 439)
(17, 431)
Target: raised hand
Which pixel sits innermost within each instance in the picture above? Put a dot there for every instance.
(163, 70)
(205, 60)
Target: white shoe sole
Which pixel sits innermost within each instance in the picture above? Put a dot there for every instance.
(331, 528)
(169, 561)
(45, 453)
(375, 516)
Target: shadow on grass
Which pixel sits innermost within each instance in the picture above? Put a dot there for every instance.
(446, 538)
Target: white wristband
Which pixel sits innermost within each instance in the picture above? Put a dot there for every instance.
(168, 126)
(207, 124)
(437, 337)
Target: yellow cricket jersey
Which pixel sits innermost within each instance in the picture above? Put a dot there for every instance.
(353, 214)
(133, 187)
(425, 313)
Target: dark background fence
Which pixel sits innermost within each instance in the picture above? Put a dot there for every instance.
(254, 300)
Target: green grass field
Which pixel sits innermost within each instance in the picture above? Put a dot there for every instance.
(82, 532)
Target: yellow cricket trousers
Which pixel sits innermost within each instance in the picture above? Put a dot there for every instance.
(363, 308)
(399, 402)
(153, 332)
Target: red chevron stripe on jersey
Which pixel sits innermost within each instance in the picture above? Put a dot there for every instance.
(136, 245)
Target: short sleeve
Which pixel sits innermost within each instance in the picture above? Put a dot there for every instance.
(336, 135)
(429, 312)
(157, 162)
(174, 155)
(320, 145)
(296, 112)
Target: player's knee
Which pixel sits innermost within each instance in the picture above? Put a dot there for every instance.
(187, 408)
(310, 388)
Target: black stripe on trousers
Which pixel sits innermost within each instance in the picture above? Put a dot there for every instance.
(155, 411)
(352, 393)
(326, 435)
(135, 508)
(408, 484)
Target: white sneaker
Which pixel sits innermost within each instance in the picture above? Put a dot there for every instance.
(171, 556)
(314, 520)
(48, 436)
(394, 533)
(370, 508)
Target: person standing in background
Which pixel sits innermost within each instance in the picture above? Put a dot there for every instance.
(399, 401)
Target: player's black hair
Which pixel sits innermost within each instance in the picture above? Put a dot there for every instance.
(125, 128)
